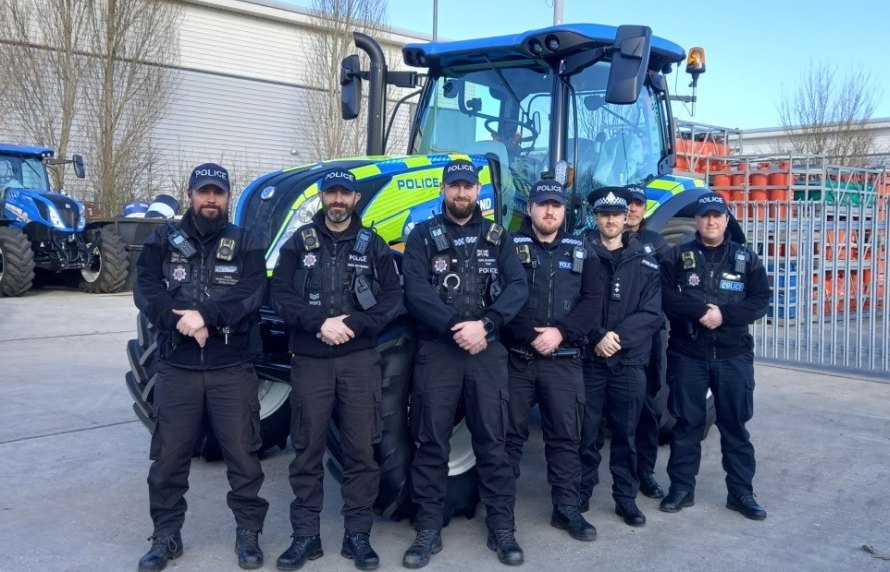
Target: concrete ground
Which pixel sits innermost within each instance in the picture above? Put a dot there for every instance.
(74, 462)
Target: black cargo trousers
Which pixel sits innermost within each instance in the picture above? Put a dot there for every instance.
(229, 397)
(352, 383)
(648, 426)
(443, 374)
(557, 386)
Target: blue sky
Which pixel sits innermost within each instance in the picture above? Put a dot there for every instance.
(755, 50)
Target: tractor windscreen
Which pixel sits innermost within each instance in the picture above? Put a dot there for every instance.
(505, 113)
(23, 172)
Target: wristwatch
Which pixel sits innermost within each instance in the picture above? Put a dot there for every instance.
(489, 325)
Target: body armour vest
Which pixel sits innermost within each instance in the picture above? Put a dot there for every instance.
(340, 278)
(554, 277)
(194, 274)
(465, 269)
(719, 282)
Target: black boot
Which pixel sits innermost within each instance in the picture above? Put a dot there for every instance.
(302, 548)
(627, 509)
(568, 517)
(247, 547)
(163, 548)
(746, 505)
(676, 500)
(649, 486)
(504, 543)
(357, 546)
(426, 543)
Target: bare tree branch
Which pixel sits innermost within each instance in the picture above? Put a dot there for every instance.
(828, 114)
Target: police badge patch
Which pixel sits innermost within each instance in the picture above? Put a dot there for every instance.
(694, 280)
(179, 273)
(309, 260)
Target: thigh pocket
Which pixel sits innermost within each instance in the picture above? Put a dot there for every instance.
(256, 432)
(297, 434)
(154, 452)
(504, 403)
(580, 403)
(748, 411)
(378, 415)
(416, 416)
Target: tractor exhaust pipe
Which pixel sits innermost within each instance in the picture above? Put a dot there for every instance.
(376, 92)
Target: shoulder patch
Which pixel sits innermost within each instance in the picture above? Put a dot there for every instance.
(650, 264)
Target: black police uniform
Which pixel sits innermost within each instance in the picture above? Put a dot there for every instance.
(455, 273)
(564, 292)
(322, 274)
(632, 309)
(647, 428)
(732, 277)
(220, 273)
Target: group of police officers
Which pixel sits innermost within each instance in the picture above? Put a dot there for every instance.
(572, 323)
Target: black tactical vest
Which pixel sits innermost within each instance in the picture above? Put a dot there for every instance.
(339, 277)
(554, 277)
(465, 269)
(719, 282)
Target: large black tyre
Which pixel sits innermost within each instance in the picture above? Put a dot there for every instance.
(107, 263)
(16, 262)
(395, 450)
(140, 381)
(679, 229)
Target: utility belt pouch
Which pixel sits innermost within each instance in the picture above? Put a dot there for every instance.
(364, 296)
(180, 242)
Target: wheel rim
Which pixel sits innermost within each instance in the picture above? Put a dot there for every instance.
(93, 267)
(272, 396)
(461, 458)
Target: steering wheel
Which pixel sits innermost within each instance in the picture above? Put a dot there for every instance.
(492, 124)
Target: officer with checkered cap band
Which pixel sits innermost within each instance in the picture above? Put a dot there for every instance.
(201, 281)
(336, 287)
(614, 377)
(545, 341)
(463, 282)
(648, 427)
(714, 289)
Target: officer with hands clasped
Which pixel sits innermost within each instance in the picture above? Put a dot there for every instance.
(714, 289)
(201, 282)
(647, 429)
(463, 282)
(336, 287)
(614, 370)
(545, 341)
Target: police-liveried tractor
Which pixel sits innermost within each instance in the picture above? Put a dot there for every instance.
(45, 235)
(587, 104)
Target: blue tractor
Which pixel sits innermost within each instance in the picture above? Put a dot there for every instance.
(44, 235)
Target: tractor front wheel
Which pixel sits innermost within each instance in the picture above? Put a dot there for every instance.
(106, 264)
(16, 262)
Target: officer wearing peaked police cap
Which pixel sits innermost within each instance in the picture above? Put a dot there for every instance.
(714, 289)
(619, 351)
(545, 341)
(463, 283)
(201, 282)
(336, 287)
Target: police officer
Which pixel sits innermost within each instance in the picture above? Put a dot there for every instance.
(201, 282)
(545, 341)
(714, 289)
(614, 371)
(463, 281)
(647, 429)
(336, 287)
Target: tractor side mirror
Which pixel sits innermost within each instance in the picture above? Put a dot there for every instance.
(630, 62)
(79, 169)
(350, 87)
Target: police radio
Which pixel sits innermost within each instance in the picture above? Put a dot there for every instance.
(226, 249)
(740, 258)
(578, 257)
(362, 240)
(437, 234)
(180, 242)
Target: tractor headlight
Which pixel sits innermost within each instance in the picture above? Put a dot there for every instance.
(302, 217)
(81, 218)
(54, 217)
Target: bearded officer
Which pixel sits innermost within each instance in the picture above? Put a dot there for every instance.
(545, 342)
(463, 282)
(201, 282)
(336, 287)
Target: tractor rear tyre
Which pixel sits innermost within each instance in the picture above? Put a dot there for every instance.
(16, 262)
(106, 265)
